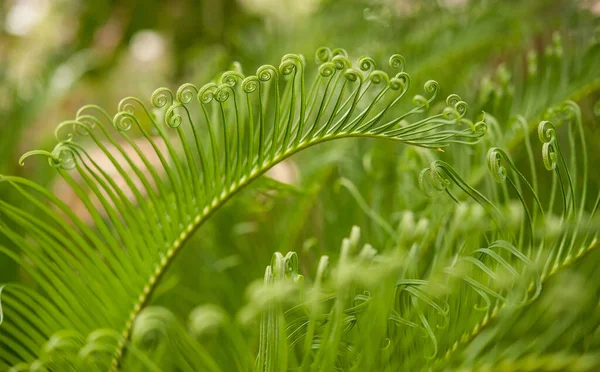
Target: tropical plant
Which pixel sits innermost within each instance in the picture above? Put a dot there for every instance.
(491, 265)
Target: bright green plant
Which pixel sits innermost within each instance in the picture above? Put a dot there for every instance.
(492, 264)
(251, 123)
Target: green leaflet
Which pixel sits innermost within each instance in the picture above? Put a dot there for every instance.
(149, 177)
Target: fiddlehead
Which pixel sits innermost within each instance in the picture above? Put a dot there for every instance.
(397, 62)
(207, 93)
(232, 78)
(432, 88)
(553, 159)
(495, 157)
(547, 135)
(440, 175)
(172, 118)
(366, 64)
(61, 156)
(162, 97)
(186, 93)
(322, 55)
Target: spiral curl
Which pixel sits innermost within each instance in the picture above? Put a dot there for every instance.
(266, 73)
(547, 135)
(458, 112)
(231, 78)
(546, 131)
(453, 99)
(322, 55)
(341, 62)
(123, 121)
(207, 93)
(291, 265)
(250, 84)
(172, 118)
(186, 93)
(327, 69)
(89, 121)
(397, 84)
(283, 267)
(397, 62)
(223, 93)
(62, 156)
(127, 110)
(162, 97)
(420, 101)
(405, 78)
(290, 63)
(353, 75)
(432, 87)
(461, 107)
(494, 162)
(452, 114)
(378, 77)
(366, 64)
(436, 180)
(480, 127)
(127, 104)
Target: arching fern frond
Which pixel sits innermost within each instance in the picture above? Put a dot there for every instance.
(201, 146)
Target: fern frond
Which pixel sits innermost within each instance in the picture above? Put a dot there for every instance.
(213, 141)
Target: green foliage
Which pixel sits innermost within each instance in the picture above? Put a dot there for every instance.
(472, 241)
